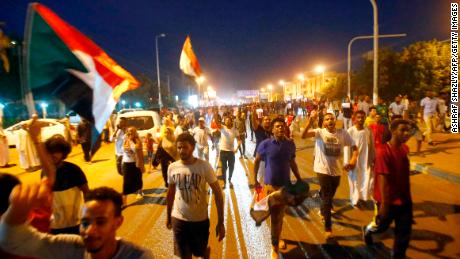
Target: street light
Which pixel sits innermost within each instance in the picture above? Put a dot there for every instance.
(160, 103)
(282, 84)
(137, 104)
(200, 80)
(44, 106)
(123, 103)
(319, 69)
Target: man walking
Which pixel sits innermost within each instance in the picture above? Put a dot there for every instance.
(329, 143)
(347, 112)
(279, 156)
(201, 133)
(84, 138)
(397, 107)
(360, 179)
(365, 105)
(118, 137)
(187, 208)
(227, 149)
(429, 106)
(392, 189)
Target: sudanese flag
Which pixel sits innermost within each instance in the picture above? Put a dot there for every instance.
(63, 62)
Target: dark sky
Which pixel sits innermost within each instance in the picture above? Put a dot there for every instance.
(240, 44)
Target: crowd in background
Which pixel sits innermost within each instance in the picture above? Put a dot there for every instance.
(366, 131)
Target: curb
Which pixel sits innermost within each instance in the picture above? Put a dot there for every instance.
(424, 169)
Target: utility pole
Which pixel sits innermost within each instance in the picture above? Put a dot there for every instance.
(160, 103)
(376, 52)
(169, 88)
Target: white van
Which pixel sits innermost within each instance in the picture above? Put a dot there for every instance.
(144, 121)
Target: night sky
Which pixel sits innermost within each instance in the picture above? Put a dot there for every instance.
(240, 44)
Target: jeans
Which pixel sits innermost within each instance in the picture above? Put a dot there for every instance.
(227, 159)
(402, 215)
(86, 147)
(328, 186)
(165, 160)
(242, 147)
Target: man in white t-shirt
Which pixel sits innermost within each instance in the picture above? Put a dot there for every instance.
(227, 148)
(201, 133)
(187, 207)
(328, 164)
(397, 107)
(260, 112)
(118, 137)
(429, 106)
(365, 105)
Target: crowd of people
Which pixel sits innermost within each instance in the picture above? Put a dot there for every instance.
(369, 147)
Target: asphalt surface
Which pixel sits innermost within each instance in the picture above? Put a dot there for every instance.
(436, 231)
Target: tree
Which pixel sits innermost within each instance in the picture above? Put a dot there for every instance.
(419, 67)
(336, 86)
(388, 80)
(426, 66)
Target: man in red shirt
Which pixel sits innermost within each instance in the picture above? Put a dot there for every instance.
(392, 189)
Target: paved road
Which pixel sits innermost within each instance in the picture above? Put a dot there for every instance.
(436, 233)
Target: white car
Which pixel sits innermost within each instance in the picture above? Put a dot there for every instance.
(144, 121)
(50, 127)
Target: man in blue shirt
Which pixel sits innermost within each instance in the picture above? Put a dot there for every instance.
(278, 153)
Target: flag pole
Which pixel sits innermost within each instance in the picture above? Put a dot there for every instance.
(24, 73)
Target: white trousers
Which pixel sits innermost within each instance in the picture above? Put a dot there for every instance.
(361, 183)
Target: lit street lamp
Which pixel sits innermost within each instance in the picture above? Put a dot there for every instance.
(319, 69)
(199, 81)
(160, 103)
(282, 84)
(123, 103)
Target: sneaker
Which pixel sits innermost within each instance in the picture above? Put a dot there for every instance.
(367, 237)
(139, 196)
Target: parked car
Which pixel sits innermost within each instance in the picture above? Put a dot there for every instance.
(129, 110)
(50, 127)
(144, 121)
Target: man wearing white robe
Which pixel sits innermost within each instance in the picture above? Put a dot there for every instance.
(360, 179)
(28, 157)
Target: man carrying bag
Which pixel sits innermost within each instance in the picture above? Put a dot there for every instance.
(278, 153)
